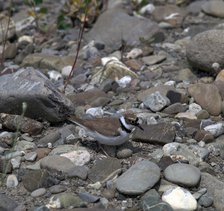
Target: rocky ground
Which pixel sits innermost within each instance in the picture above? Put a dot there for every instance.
(162, 61)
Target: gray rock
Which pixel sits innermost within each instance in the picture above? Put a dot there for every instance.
(79, 171)
(52, 137)
(33, 180)
(124, 153)
(156, 101)
(12, 181)
(6, 203)
(205, 49)
(103, 168)
(38, 192)
(205, 200)
(114, 25)
(65, 200)
(214, 8)
(56, 163)
(161, 133)
(219, 199)
(151, 202)
(42, 98)
(175, 108)
(139, 178)
(183, 174)
(7, 24)
(57, 189)
(88, 197)
(210, 94)
(155, 59)
(211, 183)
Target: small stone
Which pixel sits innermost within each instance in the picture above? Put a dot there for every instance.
(64, 200)
(56, 163)
(156, 101)
(140, 177)
(79, 157)
(12, 181)
(95, 112)
(66, 70)
(194, 108)
(188, 115)
(57, 189)
(124, 153)
(199, 193)
(24, 145)
(180, 198)
(134, 53)
(205, 200)
(16, 162)
(7, 203)
(38, 192)
(215, 129)
(183, 174)
(155, 59)
(79, 171)
(31, 156)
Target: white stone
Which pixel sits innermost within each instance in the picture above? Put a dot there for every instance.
(194, 108)
(188, 115)
(170, 83)
(12, 181)
(180, 199)
(16, 162)
(54, 75)
(25, 38)
(95, 112)
(124, 81)
(105, 60)
(147, 9)
(31, 156)
(134, 53)
(215, 129)
(78, 157)
(66, 70)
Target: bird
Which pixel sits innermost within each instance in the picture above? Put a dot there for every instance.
(109, 130)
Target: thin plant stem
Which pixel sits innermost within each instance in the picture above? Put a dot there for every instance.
(71, 74)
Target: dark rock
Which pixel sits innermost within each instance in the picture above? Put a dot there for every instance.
(6, 203)
(42, 98)
(78, 171)
(33, 180)
(24, 124)
(175, 108)
(49, 138)
(161, 133)
(103, 168)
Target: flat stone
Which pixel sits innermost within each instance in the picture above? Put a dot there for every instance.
(7, 25)
(56, 163)
(175, 108)
(51, 137)
(103, 168)
(139, 178)
(27, 125)
(210, 94)
(45, 61)
(183, 174)
(79, 171)
(180, 199)
(42, 98)
(7, 203)
(205, 49)
(87, 98)
(163, 89)
(57, 189)
(161, 133)
(38, 192)
(24, 145)
(214, 8)
(112, 26)
(33, 180)
(207, 201)
(155, 59)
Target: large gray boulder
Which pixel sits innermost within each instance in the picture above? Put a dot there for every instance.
(205, 49)
(115, 25)
(43, 100)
